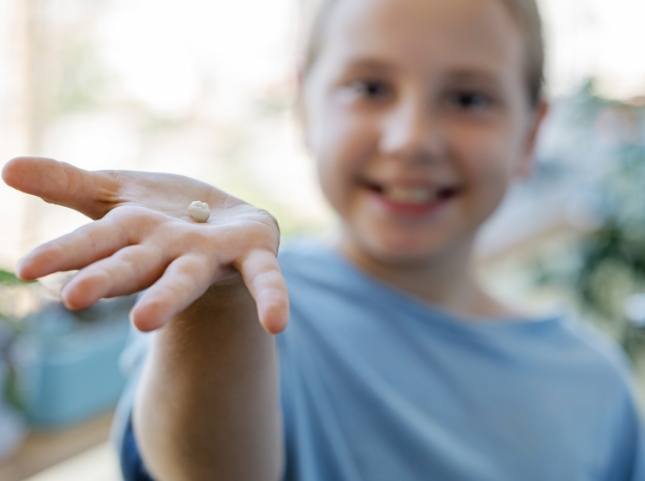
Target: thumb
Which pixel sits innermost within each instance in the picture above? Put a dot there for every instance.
(91, 193)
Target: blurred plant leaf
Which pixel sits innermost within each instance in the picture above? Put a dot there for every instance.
(9, 279)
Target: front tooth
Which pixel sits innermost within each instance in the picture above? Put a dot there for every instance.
(409, 194)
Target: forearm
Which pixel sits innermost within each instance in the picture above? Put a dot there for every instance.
(207, 405)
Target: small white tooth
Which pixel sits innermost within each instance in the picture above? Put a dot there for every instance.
(409, 194)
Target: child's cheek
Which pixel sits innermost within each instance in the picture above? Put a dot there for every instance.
(490, 151)
(488, 172)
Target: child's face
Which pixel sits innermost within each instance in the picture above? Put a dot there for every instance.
(417, 113)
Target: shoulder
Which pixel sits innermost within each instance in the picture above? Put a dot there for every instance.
(621, 435)
(603, 354)
(596, 369)
(575, 356)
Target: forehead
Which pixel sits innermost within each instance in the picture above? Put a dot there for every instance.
(460, 34)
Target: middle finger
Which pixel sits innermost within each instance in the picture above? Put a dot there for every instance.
(127, 271)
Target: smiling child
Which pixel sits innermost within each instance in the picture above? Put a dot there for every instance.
(396, 363)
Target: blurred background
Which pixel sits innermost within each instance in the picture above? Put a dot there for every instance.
(205, 89)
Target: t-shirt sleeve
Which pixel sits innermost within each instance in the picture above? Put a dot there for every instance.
(285, 376)
(132, 467)
(123, 437)
(627, 438)
(634, 442)
(639, 461)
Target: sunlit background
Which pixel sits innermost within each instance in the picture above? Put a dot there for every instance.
(205, 89)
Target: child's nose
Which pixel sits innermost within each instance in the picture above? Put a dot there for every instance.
(410, 132)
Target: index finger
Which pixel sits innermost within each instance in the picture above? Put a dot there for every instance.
(91, 193)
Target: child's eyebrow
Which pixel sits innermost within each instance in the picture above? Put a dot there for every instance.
(472, 75)
(368, 64)
(462, 75)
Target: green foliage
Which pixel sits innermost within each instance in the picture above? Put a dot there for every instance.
(607, 264)
(11, 391)
(11, 328)
(612, 266)
(9, 279)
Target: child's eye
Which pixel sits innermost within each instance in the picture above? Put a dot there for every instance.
(470, 100)
(370, 89)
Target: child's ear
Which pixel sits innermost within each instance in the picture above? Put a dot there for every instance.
(525, 168)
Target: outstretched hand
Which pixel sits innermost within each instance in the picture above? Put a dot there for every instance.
(143, 238)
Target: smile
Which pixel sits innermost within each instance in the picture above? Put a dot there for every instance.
(418, 195)
(407, 199)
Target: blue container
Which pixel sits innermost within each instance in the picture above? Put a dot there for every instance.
(68, 363)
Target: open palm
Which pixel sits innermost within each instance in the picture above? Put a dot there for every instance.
(142, 238)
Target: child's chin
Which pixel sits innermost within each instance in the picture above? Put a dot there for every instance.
(403, 255)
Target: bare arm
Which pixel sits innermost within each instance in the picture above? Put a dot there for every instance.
(207, 404)
(211, 377)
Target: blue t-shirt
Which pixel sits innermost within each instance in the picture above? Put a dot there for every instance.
(377, 386)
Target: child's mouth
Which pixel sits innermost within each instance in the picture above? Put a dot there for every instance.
(413, 199)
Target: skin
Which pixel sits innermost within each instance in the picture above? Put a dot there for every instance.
(441, 99)
(143, 237)
(215, 293)
(420, 92)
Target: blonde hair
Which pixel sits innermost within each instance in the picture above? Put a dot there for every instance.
(525, 13)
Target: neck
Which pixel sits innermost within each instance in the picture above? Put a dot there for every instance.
(447, 280)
